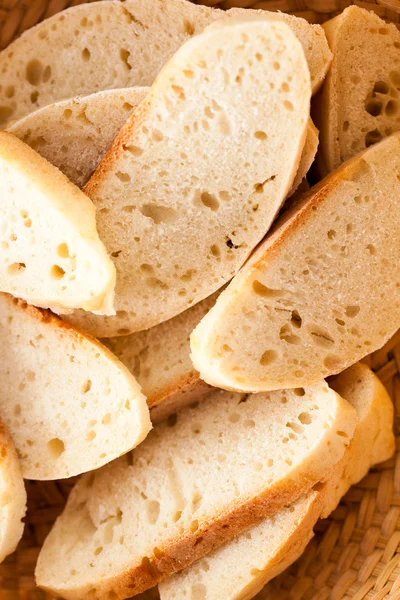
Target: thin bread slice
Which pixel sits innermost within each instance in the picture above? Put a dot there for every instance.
(238, 570)
(117, 45)
(176, 221)
(51, 254)
(159, 359)
(12, 496)
(366, 71)
(67, 401)
(321, 291)
(75, 134)
(196, 482)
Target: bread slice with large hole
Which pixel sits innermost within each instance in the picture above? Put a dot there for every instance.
(51, 254)
(12, 496)
(238, 570)
(68, 402)
(197, 481)
(117, 45)
(177, 222)
(321, 292)
(75, 134)
(366, 72)
(159, 359)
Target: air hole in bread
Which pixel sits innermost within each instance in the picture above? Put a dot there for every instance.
(198, 592)
(331, 234)
(159, 214)
(125, 178)
(209, 200)
(196, 428)
(172, 420)
(124, 56)
(152, 511)
(9, 91)
(46, 74)
(249, 423)
(268, 357)
(295, 426)
(63, 250)
(320, 337)
(305, 418)
(276, 66)
(34, 70)
(352, 311)
(342, 434)
(373, 107)
(90, 436)
(98, 550)
(295, 319)
(332, 362)
(16, 268)
(5, 113)
(86, 387)
(224, 124)
(234, 418)
(261, 135)
(56, 447)
(86, 55)
(57, 272)
(266, 292)
(215, 251)
(371, 249)
(178, 91)
(299, 391)
(372, 137)
(392, 107)
(345, 125)
(288, 105)
(381, 87)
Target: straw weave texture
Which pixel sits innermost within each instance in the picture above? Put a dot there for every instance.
(355, 554)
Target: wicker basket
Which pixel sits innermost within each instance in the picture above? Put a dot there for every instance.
(355, 554)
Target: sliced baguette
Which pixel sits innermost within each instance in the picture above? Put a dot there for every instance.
(238, 570)
(117, 45)
(194, 483)
(366, 71)
(12, 496)
(75, 134)
(326, 282)
(176, 221)
(50, 251)
(68, 403)
(159, 358)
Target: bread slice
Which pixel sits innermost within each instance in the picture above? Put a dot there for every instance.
(117, 45)
(366, 71)
(12, 496)
(326, 282)
(159, 359)
(238, 570)
(50, 252)
(68, 403)
(176, 221)
(75, 134)
(197, 481)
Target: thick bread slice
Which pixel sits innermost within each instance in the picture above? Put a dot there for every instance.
(12, 496)
(238, 570)
(177, 222)
(68, 403)
(50, 252)
(117, 45)
(159, 358)
(75, 134)
(366, 71)
(194, 483)
(321, 291)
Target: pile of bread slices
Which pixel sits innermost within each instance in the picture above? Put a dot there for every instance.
(160, 265)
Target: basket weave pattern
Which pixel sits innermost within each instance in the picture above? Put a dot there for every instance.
(355, 554)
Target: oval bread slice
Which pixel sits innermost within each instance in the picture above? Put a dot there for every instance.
(117, 45)
(177, 222)
(75, 134)
(322, 290)
(365, 70)
(12, 496)
(238, 570)
(68, 403)
(197, 481)
(50, 252)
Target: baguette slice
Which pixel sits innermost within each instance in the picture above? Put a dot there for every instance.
(196, 482)
(117, 45)
(326, 282)
(238, 570)
(75, 134)
(366, 71)
(50, 251)
(159, 359)
(68, 403)
(12, 496)
(177, 222)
